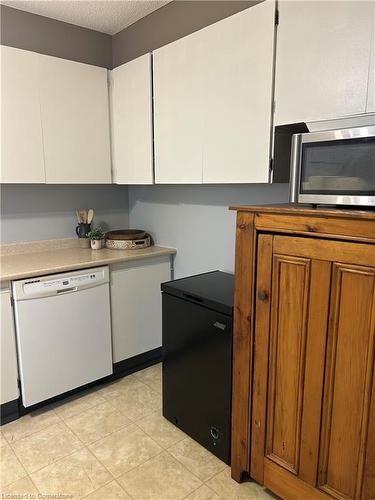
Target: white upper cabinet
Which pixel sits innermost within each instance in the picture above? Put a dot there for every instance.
(75, 120)
(322, 59)
(131, 122)
(371, 82)
(238, 72)
(21, 131)
(213, 94)
(179, 111)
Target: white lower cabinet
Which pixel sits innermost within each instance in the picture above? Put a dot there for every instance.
(9, 368)
(22, 158)
(136, 306)
(213, 101)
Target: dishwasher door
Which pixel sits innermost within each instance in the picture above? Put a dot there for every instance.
(63, 332)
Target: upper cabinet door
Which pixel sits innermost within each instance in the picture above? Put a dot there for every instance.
(322, 59)
(178, 111)
(21, 131)
(371, 81)
(131, 122)
(213, 93)
(75, 118)
(238, 66)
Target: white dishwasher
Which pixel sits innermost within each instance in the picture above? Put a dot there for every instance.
(63, 329)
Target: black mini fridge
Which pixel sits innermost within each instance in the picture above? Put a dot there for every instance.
(197, 364)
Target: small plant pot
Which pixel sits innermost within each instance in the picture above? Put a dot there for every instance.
(96, 244)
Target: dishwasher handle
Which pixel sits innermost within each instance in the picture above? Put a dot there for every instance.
(67, 290)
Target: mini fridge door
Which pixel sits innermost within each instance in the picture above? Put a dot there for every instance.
(197, 345)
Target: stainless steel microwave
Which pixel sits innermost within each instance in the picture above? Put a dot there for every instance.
(334, 167)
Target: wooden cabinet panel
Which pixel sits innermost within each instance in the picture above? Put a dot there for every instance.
(313, 367)
(322, 60)
(75, 121)
(290, 283)
(349, 376)
(131, 122)
(22, 158)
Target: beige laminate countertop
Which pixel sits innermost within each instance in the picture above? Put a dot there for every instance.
(29, 264)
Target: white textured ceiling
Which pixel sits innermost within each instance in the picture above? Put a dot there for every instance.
(107, 16)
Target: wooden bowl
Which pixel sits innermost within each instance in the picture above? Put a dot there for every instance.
(126, 234)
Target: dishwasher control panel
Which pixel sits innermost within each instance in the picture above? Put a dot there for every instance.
(53, 285)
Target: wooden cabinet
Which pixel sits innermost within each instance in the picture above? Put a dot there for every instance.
(75, 120)
(311, 372)
(213, 93)
(9, 368)
(22, 157)
(131, 122)
(322, 60)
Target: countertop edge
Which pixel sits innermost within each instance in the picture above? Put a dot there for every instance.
(42, 271)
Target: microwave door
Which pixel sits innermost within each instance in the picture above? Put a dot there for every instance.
(334, 167)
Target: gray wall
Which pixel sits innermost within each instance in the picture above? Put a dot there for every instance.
(38, 212)
(55, 38)
(196, 220)
(175, 20)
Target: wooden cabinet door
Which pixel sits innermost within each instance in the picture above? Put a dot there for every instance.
(322, 59)
(22, 159)
(314, 364)
(75, 122)
(131, 122)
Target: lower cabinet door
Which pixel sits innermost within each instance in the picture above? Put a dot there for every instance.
(314, 363)
(136, 306)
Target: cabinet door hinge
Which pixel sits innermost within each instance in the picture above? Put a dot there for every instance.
(277, 17)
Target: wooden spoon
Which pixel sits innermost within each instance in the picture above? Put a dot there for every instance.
(90, 216)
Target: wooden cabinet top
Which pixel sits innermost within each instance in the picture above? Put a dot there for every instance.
(298, 209)
(323, 222)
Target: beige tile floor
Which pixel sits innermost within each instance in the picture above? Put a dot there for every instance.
(112, 443)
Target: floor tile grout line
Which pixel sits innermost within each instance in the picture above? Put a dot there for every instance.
(178, 441)
(203, 481)
(137, 466)
(31, 433)
(69, 455)
(113, 480)
(59, 459)
(102, 437)
(36, 487)
(49, 425)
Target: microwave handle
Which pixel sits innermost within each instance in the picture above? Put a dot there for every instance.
(295, 166)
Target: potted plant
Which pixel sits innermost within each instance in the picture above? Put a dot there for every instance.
(96, 236)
